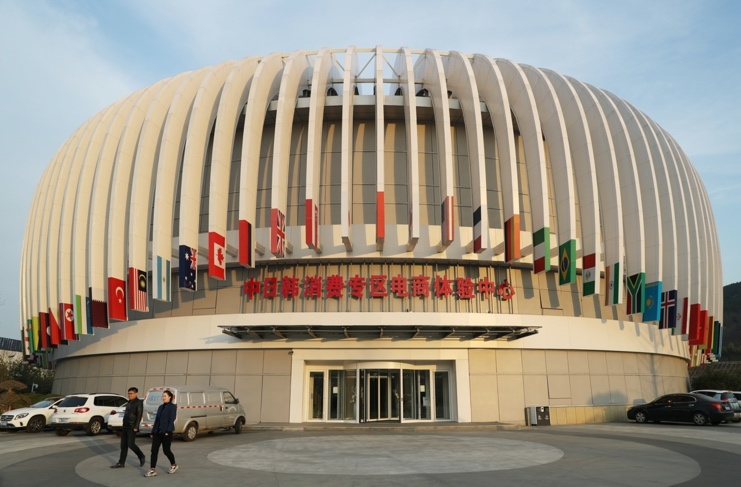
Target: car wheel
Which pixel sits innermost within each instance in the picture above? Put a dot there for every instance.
(191, 432)
(61, 432)
(36, 424)
(700, 419)
(94, 427)
(641, 417)
(238, 425)
(118, 433)
(736, 420)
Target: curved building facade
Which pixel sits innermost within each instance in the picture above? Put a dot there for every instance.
(376, 234)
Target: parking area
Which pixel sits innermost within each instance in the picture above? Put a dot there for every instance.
(624, 454)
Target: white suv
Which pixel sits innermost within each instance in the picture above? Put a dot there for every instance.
(84, 412)
(33, 418)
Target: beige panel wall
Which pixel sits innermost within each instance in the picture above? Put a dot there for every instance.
(579, 386)
(260, 379)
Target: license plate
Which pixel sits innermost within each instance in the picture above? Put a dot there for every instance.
(3, 423)
(63, 420)
(120, 415)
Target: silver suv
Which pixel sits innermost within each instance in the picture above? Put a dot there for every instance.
(84, 412)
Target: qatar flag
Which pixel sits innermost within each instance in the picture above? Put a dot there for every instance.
(117, 299)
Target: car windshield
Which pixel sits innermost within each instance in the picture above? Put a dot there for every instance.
(727, 396)
(43, 404)
(73, 402)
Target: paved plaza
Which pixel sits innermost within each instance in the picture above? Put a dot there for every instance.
(615, 454)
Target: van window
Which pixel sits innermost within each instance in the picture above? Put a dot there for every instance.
(196, 399)
(213, 397)
(182, 399)
(229, 399)
(154, 398)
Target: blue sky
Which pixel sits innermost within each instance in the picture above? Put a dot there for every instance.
(63, 61)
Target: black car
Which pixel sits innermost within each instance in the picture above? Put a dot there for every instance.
(689, 408)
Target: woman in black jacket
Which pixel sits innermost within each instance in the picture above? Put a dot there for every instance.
(162, 431)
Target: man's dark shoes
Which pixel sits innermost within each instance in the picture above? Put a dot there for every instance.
(118, 465)
(142, 460)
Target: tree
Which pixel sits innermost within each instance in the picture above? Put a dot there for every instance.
(29, 375)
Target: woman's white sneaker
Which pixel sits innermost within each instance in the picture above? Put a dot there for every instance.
(173, 469)
(152, 472)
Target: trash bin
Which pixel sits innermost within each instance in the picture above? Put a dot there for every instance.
(538, 415)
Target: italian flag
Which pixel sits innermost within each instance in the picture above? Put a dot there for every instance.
(541, 249)
(589, 271)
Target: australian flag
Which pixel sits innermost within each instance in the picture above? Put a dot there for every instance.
(188, 267)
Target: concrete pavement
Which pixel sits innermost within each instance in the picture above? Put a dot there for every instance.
(615, 454)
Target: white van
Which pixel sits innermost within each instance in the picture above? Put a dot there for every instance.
(200, 408)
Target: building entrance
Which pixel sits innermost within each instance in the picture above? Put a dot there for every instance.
(381, 394)
(417, 393)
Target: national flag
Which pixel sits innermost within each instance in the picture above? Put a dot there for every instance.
(636, 285)
(684, 316)
(246, 248)
(477, 231)
(694, 324)
(708, 331)
(81, 321)
(277, 233)
(54, 334)
(216, 256)
(67, 315)
(613, 280)
(188, 267)
(566, 264)
(309, 224)
(541, 250)
(35, 343)
(448, 220)
(652, 307)
(512, 238)
(138, 290)
(717, 332)
(117, 299)
(44, 329)
(589, 275)
(380, 216)
(698, 324)
(98, 309)
(668, 309)
(161, 279)
(26, 339)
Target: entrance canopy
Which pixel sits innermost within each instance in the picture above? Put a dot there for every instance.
(371, 332)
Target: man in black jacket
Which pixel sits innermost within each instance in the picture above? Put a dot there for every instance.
(132, 418)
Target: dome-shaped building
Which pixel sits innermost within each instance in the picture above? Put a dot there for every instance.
(375, 234)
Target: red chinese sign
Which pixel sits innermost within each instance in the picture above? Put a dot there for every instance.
(375, 286)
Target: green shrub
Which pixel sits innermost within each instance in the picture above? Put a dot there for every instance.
(717, 379)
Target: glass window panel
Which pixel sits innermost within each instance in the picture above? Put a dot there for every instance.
(316, 388)
(442, 395)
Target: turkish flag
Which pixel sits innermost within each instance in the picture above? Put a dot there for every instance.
(117, 299)
(216, 256)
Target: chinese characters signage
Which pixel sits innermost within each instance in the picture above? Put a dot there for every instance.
(375, 286)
